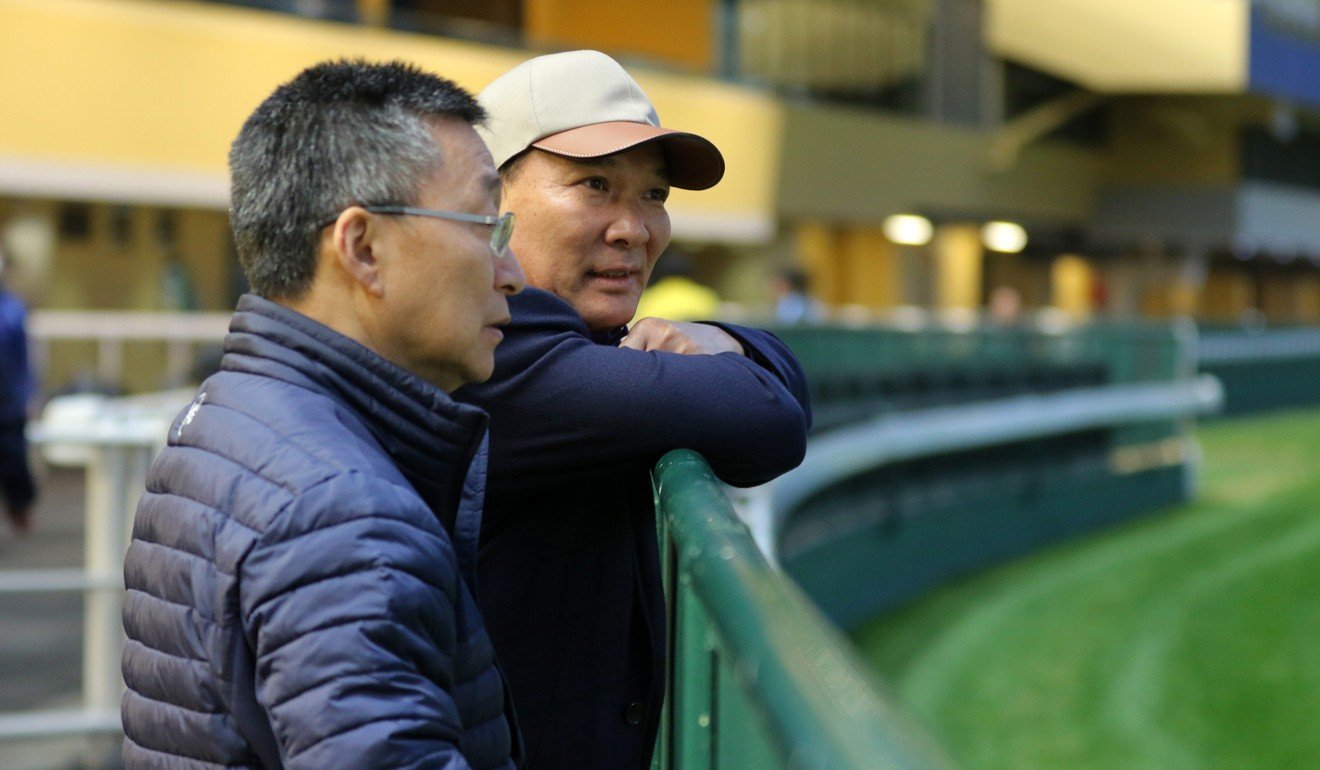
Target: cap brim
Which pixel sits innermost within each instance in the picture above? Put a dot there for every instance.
(692, 162)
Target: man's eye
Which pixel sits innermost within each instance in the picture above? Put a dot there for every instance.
(659, 194)
(595, 182)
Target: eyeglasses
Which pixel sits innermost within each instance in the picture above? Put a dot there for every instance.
(499, 238)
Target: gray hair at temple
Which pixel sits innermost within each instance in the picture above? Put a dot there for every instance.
(341, 133)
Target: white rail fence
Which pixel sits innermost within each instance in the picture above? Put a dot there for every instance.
(114, 441)
(113, 331)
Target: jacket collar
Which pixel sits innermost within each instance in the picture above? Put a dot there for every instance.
(532, 306)
(430, 437)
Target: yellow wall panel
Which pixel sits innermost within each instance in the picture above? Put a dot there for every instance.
(1192, 46)
(170, 84)
(144, 86)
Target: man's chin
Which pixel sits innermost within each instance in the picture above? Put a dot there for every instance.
(606, 315)
(481, 372)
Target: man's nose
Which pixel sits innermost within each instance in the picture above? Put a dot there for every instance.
(509, 278)
(629, 227)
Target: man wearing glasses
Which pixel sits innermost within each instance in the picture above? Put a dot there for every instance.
(301, 570)
(581, 406)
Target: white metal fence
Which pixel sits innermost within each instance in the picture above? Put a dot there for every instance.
(114, 441)
(114, 331)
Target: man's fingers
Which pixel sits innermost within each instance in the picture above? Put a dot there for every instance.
(680, 337)
(640, 336)
(633, 341)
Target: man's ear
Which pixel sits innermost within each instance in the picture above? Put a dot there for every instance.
(356, 240)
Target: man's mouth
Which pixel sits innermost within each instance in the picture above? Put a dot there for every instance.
(614, 280)
(612, 274)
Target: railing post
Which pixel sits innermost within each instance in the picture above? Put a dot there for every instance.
(115, 477)
(109, 359)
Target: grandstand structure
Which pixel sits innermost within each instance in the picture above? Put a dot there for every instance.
(1160, 158)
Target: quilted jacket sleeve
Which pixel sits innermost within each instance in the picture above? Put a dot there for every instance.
(349, 603)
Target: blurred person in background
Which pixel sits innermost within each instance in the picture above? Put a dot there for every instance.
(1004, 306)
(793, 305)
(16, 390)
(673, 294)
(299, 581)
(582, 407)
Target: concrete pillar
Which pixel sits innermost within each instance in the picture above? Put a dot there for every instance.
(1073, 286)
(872, 269)
(958, 263)
(1188, 283)
(817, 248)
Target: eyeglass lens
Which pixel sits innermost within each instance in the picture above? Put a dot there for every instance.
(499, 239)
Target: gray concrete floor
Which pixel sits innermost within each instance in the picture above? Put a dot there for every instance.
(41, 635)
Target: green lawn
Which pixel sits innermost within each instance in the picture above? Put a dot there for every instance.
(1190, 639)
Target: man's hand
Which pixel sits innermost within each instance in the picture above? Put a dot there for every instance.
(680, 337)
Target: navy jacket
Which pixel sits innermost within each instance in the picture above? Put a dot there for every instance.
(569, 567)
(300, 569)
(15, 370)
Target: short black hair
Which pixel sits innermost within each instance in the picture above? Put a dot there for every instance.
(340, 133)
(511, 167)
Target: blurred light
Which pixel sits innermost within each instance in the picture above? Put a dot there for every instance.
(908, 229)
(1004, 236)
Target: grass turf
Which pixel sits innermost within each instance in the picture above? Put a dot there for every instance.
(1190, 639)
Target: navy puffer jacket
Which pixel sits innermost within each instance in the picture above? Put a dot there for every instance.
(300, 575)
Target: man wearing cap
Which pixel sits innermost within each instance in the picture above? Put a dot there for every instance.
(582, 407)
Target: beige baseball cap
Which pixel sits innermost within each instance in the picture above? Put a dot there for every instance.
(582, 104)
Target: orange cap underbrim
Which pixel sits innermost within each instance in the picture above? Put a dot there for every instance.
(692, 162)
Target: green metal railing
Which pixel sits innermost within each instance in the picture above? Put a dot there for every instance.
(859, 373)
(1263, 369)
(759, 678)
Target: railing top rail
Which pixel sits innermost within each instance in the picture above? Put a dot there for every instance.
(817, 701)
(911, 435)
(92, 420)
(127, 325)
(1246, 346)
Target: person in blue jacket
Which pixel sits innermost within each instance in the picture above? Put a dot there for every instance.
(16, 483)
(581, 406)
(300, 576)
